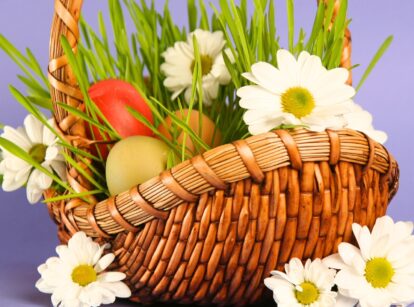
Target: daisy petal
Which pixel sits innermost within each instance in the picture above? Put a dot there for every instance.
(18, 137)
(104, 262)
(111, 276)
(269, 77)
(12, 182)
(34, 129)
(334, 261)
(287, 65)
(120, 289)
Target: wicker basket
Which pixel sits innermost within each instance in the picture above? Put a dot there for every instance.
(212, 228)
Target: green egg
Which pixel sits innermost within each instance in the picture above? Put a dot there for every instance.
(133, 161)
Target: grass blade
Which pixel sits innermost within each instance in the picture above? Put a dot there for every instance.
(317, 26)
(71, 196)
(192, 14)
(383, 48)
(291, 23)
(87, 119)
(75, 165)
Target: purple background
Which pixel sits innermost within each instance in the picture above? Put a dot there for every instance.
(27, 236)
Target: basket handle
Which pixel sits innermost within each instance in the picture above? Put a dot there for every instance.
(63, 84)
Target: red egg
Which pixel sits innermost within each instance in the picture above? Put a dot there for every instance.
(112, 98)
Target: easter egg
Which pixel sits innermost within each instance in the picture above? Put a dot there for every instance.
(209, 134)
(112, 98)
(133, 161)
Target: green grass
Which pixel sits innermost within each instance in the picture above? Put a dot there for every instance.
(136, 58)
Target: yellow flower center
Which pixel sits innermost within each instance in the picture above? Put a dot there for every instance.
(309, 293)
(379, 272)
(83, 275)
(38, 152)
(206, 64)
(298, 101)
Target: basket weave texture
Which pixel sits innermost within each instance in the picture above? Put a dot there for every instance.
(212, 228)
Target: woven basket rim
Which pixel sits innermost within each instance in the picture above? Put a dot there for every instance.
(249, 158)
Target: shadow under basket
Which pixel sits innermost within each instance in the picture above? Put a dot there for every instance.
(209, 230)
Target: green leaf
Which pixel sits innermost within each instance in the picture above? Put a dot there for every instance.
(221, 20)
(290, 127)
(25, 102)
(172, 160)
(36, 67)
(103, 32)
(291, 23)
(41, 102)
(340, 20)
(15, 55)
(85, 32)
(335, 54)
(192, 14)
(37, 93)
(272, 41)
(71, 196)
(320, 42)
(328, 16)
(182, 124)
(299, 47)
(354, 66)
(88, 119)
(153, 128)
(382, 49)
(34, 75)
(243, 12)
(98, 72)
(34, 87)
(233, 73)
(99, 174)
(204, 24)
(258, 34)
(317, 26)
(73, 163)
(232, 26)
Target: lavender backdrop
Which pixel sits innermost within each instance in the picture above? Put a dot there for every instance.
(27, 236)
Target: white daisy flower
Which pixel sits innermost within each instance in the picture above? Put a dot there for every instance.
(179, 65)
(381, 271)
(77, 279)
(309, 285)
(41, 144)
(298, 92)
(361, 120)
